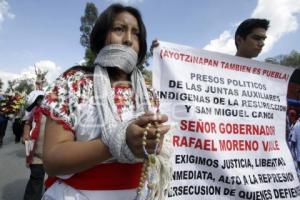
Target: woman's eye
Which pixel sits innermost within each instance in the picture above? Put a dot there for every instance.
(136, 33)
(118, 29)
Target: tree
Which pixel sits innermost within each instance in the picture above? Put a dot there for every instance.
(146, 73)
(89, 57)
(20, 85)
(1, 84)
(291, 60)
(10, 86)
(87, 22)
(24, 86)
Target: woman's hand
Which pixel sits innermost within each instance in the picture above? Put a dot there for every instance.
(26, 132)
(135, 132)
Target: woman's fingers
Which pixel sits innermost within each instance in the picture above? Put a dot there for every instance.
(153, 131)
(145, 135)
(151, 138)
(147, 118)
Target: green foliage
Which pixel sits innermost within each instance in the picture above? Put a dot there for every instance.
(291, 60)
(24, 86)
(87, 22)
(1, 84)
(10, 86)
(21, 86)
(89, 57)
(146, 73)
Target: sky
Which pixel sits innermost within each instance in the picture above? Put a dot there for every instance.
(46, 33)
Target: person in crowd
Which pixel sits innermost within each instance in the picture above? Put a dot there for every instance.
(18, 125)
(3, 123)
(291, 120)
(250, 37)
(295, 138)
(33, 135)
(105, 137)
(17, 128)
(3, 126)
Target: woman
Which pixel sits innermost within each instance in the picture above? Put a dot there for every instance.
(100, 126)
(34, 130)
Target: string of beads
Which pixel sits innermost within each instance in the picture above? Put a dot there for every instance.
(149, 163)
(147, 175)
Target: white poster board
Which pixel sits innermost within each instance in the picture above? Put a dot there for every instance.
(229, 117)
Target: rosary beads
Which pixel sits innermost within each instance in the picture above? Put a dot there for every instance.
(148, 173)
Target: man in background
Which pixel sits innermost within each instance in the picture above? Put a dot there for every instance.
(250, 37)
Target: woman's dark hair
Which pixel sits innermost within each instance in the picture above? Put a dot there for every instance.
(105, 22)
(30, 107)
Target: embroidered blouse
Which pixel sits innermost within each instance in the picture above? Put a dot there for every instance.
(70, 101)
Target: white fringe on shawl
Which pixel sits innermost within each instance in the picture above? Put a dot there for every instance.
(113, 130)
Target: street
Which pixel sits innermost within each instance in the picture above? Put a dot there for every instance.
(13, 171)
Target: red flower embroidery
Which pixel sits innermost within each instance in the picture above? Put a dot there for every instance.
(75, 86)
(51, 97)
(65, 109)
(82, 82)
(55, 89)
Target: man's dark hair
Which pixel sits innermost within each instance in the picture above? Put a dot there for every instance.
(105, 22)
(247, 26)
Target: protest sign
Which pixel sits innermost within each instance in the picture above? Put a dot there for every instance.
(229, 119)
